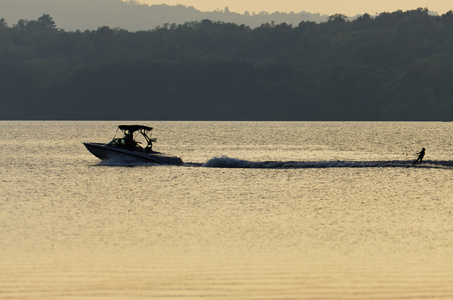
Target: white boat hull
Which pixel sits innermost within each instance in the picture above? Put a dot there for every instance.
(103, 151)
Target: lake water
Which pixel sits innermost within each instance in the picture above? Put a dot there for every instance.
(260, 210)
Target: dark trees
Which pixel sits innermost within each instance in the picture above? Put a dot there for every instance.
(395, 66)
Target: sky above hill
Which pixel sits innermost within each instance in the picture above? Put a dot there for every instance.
(347, 7)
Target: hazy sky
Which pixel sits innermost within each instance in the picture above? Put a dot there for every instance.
(347, 7)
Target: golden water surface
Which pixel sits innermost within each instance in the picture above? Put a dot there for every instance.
(72, 228)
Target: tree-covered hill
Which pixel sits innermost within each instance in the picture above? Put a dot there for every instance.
(131, 15)
(395, 66)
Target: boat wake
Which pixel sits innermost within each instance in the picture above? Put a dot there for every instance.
(227, 162)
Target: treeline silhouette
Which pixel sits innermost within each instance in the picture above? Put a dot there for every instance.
(395, 66)
(131, 15)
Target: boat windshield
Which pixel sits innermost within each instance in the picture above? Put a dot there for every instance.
(125, 144)
(117, 142)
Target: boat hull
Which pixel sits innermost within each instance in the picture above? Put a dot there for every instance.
(102, 151)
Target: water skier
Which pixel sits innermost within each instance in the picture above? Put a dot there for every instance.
(421, 154)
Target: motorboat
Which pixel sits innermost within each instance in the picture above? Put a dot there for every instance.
(129, 148)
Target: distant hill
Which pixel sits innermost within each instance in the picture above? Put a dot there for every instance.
(395, 66)
(71, 15)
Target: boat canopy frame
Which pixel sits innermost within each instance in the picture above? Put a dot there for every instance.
(145, 131)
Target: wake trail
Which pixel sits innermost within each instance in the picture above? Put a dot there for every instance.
(227, 162)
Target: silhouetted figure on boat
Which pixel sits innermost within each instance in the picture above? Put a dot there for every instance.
(129, 141)
(421, 154)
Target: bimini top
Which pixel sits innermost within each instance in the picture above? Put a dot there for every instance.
(133, 128)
